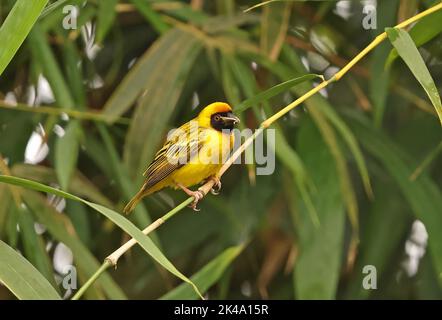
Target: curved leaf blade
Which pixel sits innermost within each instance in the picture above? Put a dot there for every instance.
(145, 242)
(274, 91)
(406, 48)
(167, 77)
(21, 277)
(423, 195)
(207, 276)
(16, 28)
(318, 266)
(66, 154)
(60, 228)
(423, 31)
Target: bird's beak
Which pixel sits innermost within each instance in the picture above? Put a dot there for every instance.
(230, 118)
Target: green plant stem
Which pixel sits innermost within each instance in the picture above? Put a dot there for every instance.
(91, 280)
(81, 115)
(112, 259)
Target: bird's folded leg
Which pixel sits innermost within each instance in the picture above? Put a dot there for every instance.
(197, 196)
(216, 186)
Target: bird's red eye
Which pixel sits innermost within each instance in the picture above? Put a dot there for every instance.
(217, 118)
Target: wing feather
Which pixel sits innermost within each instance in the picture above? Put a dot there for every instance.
(176, 152)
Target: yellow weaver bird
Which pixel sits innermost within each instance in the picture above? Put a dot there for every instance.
(192, 154)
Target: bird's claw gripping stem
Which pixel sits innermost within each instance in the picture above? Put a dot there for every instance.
(197, 196)
(216, 186)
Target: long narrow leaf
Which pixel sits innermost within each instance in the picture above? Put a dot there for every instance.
(145, 242)
(406, 48)
(19, 276)
(273, 91)
(423, 195)
(59, 226)
(206, 277)
(16, 28)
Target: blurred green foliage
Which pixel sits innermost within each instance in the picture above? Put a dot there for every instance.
(357, 179)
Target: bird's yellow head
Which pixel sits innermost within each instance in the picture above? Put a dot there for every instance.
(219, 116)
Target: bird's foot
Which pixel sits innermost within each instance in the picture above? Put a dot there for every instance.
(197, 196)
(216, 186)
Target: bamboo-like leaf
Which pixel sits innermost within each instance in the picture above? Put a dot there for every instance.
(16, 27)
(168, 64)
(145, 242)
(406, 48)
(423, 31)
(274, 91)
(380, 241)
(66, 154)
(19, 276)
(151, 16)
(284, 72)
(43, 53)
(79, 185)
(33, 245)
(284, 151)
(274, 24)
(128, 189)
(53, 6)
(134, 84)
(59, 226)
(423, 195)
(318, 267)
(106, 17)
(206, 277)
(264, 3)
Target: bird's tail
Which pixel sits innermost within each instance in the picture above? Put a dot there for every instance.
(134, 201)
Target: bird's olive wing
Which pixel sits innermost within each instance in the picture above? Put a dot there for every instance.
(176, 152)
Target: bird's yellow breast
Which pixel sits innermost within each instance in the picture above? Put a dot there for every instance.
(210, 158)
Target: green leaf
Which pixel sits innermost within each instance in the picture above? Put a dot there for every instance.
(59, 226)
(136, 82)
(53, 6)
(285, 153)
(274, 25)
(16, 27)
(43, 53)
(151, 16)
(74, 74)
(328, 133)
(145, 242)
(320, 248)
(379, 241)
(67, 148)
(168, 63)
(423, 31)
(406, 48)
(119, 173)
(206, 277)
(106, 16)
(423, 195)
(79, 184)
(264, 3)
(19, 276)
(274, 91)
(33, 245)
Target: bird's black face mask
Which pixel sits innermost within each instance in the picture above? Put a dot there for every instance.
(223, 121)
